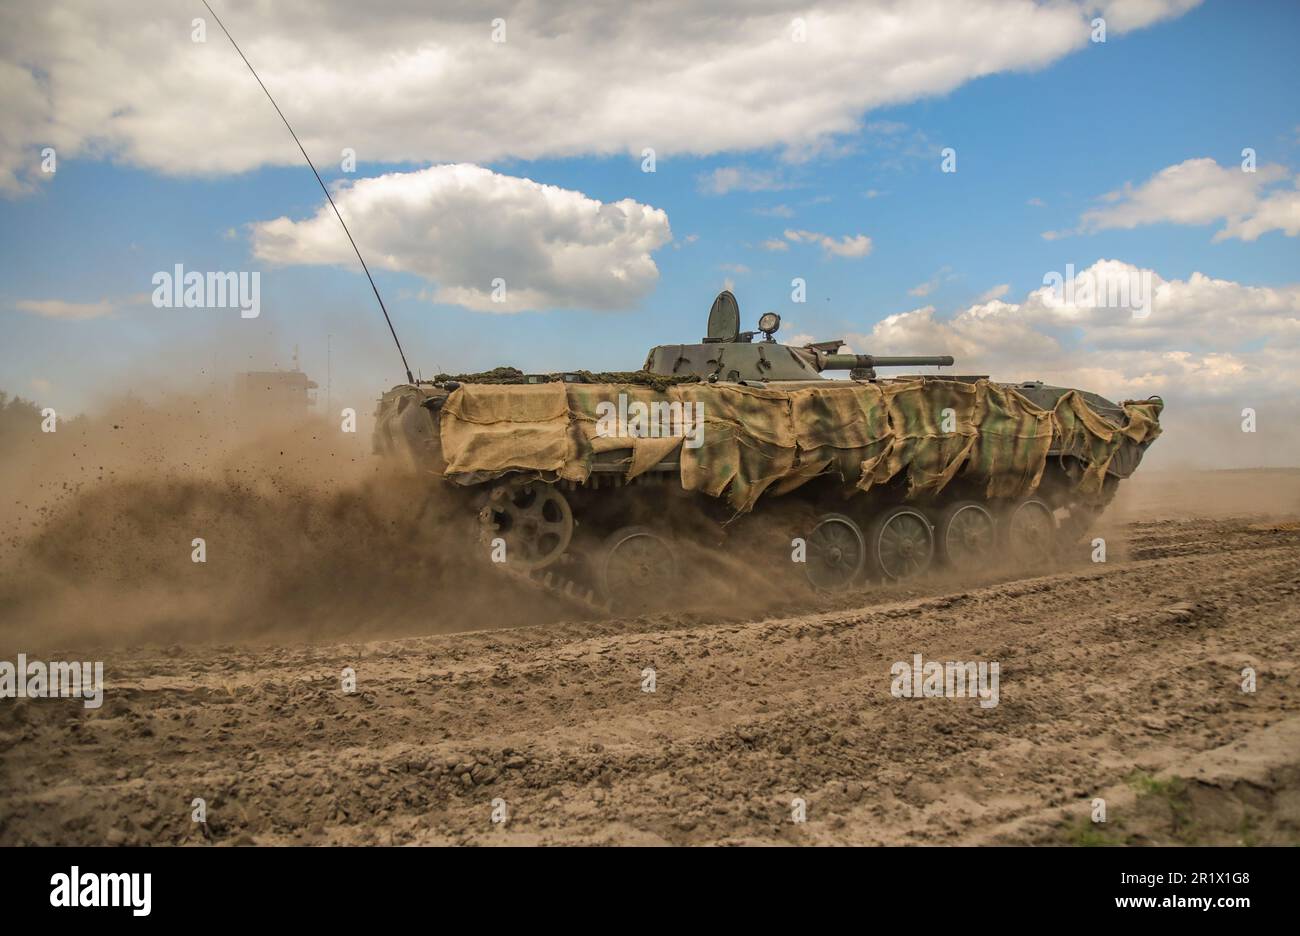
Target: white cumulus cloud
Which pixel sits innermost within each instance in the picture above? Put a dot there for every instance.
(461, 227)
(414, 81)
(1203, 339)
(1200, 192)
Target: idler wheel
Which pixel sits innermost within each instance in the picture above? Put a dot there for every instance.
(837, 553)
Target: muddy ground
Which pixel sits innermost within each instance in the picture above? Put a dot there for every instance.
(1119, 681)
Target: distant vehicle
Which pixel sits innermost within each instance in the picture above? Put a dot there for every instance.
(277, 393)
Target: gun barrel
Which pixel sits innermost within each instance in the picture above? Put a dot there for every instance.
(851, 361)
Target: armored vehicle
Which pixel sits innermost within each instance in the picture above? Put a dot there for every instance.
(587, 483)
(581, 481)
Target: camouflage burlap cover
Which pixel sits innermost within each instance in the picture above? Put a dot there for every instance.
(750, 440)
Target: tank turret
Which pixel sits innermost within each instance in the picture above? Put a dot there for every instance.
(728, 354)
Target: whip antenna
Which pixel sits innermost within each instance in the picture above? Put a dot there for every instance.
(409, 377)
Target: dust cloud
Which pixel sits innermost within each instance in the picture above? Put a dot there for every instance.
(305, 533)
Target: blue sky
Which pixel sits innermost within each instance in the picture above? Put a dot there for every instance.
(1206, 83)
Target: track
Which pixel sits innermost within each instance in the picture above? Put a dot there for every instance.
(1118, 680)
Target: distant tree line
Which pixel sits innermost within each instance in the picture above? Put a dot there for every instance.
(18, 416)
(21, 418)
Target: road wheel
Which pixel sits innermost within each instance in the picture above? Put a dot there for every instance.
(1029, 532)
(836, 553)
(966, 536)
(637, 569)
(900, 545)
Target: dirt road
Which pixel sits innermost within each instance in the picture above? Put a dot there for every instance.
(1119, 681)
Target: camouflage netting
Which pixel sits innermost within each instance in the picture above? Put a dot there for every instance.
(513, 375)
(926, 430)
